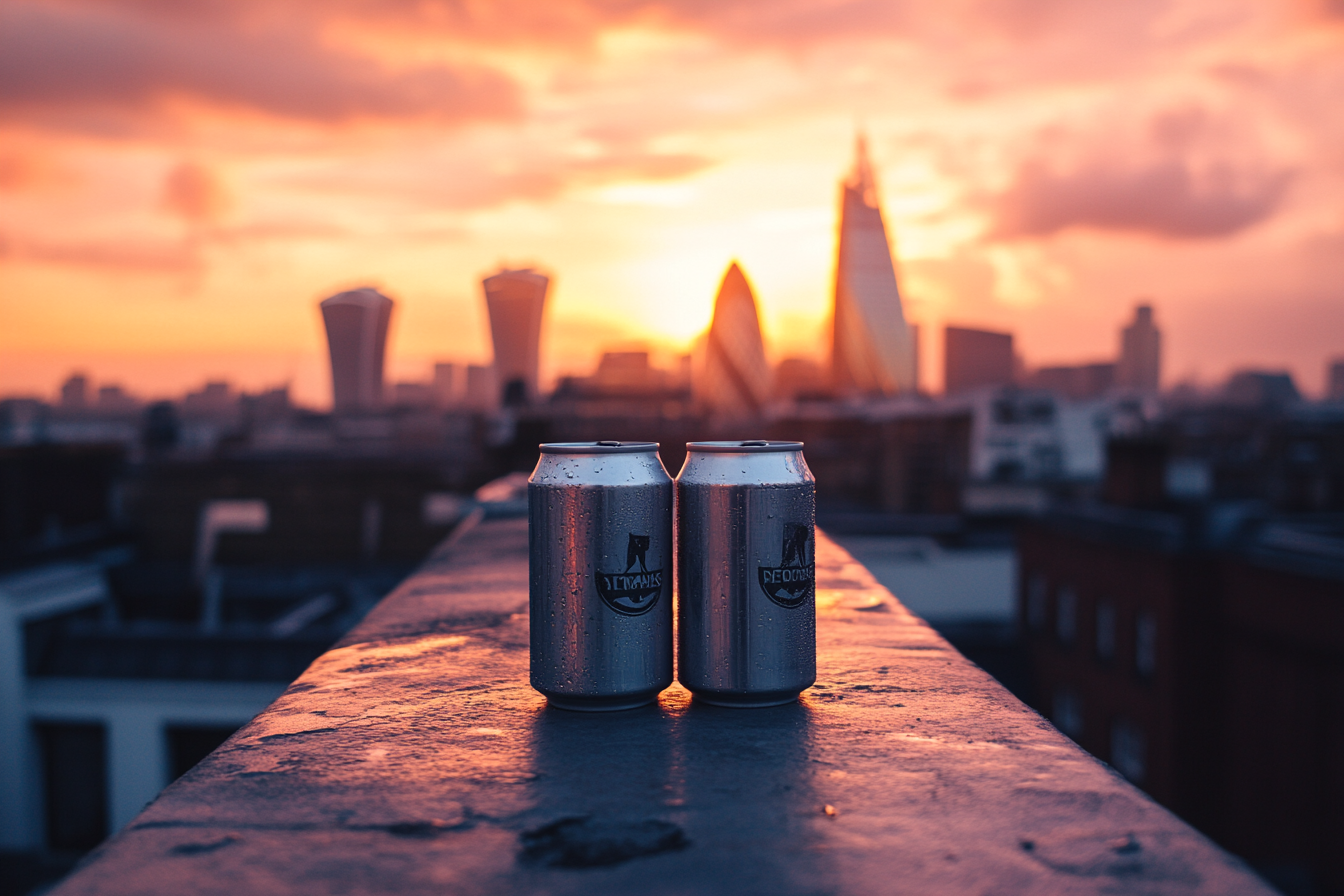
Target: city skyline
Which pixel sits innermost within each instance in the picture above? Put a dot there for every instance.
(170, 215)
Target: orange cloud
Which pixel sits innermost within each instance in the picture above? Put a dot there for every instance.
(194, 193)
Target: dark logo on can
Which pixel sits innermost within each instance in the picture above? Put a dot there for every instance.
(633, 592)
(794, 580)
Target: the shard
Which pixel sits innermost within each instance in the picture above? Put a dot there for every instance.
(872, 349)
(735, 377)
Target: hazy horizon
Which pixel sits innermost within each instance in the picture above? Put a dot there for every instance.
(181, 186)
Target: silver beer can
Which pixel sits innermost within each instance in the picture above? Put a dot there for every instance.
(746, 573)
(600, 569)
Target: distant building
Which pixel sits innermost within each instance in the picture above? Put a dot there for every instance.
(1334, 381)
(75, 392)
(626, 385)
(973, 359)
(413, 395)
(905, 459)
(215, 399)
(1078, 382)
(515, 300)
(481, 392)
(1196, 649)
(797, 378)
(119, 668)
(1262, 388)
(735, 378)
(115, 400)
(445, 385)
(357, 323)
(872, 351)
(628, 372)
(1140, 365)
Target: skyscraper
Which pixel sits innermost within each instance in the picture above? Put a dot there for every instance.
(1140, 364)
(871, 349)
(735, 378)
(974, 358)
(515, 300)
(75, 391)
(1334, 381)
(357, 339)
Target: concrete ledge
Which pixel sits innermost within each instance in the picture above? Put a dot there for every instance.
(414, 758)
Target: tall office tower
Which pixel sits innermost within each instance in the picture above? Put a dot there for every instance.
(75, 391)
(1334, 381)
(515, 300)
(1140, 364)
(735, 377)
(871, 349)
(357, 338)
(975, 358)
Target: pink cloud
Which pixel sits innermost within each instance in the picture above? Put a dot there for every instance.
(536, 179)
(1165, 198)
(55, 62)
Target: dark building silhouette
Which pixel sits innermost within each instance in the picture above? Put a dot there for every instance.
(75, 392)
(1199, 649)
(1262, 388)
(55, 497)
(1081, 381)
(1140, 365)
(976, 358)
(515, 301)
(357, 322)
(799, 378)
(1334, 381)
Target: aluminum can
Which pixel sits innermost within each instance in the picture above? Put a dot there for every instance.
(600, 574)
(746, 573)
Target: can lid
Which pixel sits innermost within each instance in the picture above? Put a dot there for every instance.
(597, 447)
(750, 446)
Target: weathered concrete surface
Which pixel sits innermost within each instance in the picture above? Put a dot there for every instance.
(414, 758)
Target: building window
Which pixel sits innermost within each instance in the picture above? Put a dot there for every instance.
(1067, 712)
(1036, 595)
(74, 771)
(1105, 631)
(1066, 616)
(1145, 644)
(1129, 750)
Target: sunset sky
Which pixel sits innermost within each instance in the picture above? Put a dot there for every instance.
(181, 183)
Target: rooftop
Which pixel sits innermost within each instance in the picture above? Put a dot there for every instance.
(414, 757)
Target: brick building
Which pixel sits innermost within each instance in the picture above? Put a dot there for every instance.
(1200, 651)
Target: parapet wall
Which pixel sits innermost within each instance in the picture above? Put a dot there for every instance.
(414, 758)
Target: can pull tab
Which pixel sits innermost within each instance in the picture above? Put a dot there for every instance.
(757, 443)
(610, 444)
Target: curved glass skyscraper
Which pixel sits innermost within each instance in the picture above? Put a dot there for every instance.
(736, 376)
(356, 323)
(872, 349)
(515, 300)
